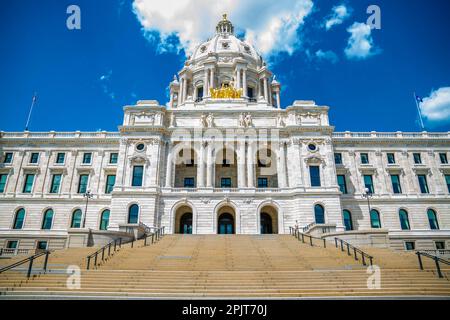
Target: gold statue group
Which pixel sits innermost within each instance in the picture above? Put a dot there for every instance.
(225, 92)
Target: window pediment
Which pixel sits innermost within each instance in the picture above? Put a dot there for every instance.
(315, 160)
(138, 159)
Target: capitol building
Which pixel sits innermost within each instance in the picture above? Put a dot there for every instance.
(224, 156)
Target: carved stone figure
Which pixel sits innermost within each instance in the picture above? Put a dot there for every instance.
(172, 120)
(248, 120)
(241, 120)
(203, 121)
(210, 120)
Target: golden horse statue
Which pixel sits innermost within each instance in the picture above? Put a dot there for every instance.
(225, 92)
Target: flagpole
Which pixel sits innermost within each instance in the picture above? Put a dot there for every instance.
(418, 111)
(31, 110)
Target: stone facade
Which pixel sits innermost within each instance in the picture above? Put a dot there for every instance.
(191, 165)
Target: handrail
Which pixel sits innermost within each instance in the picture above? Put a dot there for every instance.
(355, 251)
(309, 226)
(154, 235)
(297, 234)
(436, 261)
(102, 250)
(31, 260)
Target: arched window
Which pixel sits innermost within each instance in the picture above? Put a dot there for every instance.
(347, 215)
(76, 219)
(104, 220)
(319, 213)
(133, 214)
(432, 218)
(19, 219)
(404, 220)
(48, 220)
(375, 221)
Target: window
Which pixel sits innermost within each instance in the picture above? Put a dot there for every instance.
(347, 220)
(140, 147)
(368, 183)
(104, 220)
(3, 178)
(417, 158)
(338, 158)
(250, 92)
(28, 186)
(443, 158)
(12, 244)
(364, 158)
(319, 214)
(42, 245)
(447, 181)
(83, 183)
(312, 147)
(404, 220)
(439, 245)
(225, 183)
(19, 219)
(189, 182)
(342, 184)
(60, 157)
(133, 214)
(113, 158)
(432, 219)
(396, 187)
(8, 157)
(225, 163)
(76, 219)
(410, 245)
(48, 220)
(137, 176)
(423, 183)
(87, 158)
(263, 183)
(375, 221)
(110, 181)
(199, 93)
(56, 182)
(34, 158)
(391, 158)
(314, 173)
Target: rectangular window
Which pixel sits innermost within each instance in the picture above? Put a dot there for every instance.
(391, 158)
(189, 182)
(225, 163)
(56, 183)
(443, 158)
(34, 158)
(225, 183)
(423, 183)
(3, 178)
(8, 157)
(110, 181)
(417, 158)
(410, 245)
(83, 183)
(440, 245)
(368, 183)
(364, 158)
(28, 186)
(60, 157)
(113, 158)
(138, 172)
(338, 158)
(396, 187)
(447, 181)
(12, 244)
(314, 173)
(263, 183)
(87, 158)
(42, 245)
(342, 183)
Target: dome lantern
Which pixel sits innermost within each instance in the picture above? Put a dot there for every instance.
(224, 26)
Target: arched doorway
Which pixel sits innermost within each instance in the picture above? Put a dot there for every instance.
(266, 223)
(186, 223)
(225, 224)
(268, 220)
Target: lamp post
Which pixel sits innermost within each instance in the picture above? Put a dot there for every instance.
(88, 195)
(367, 194)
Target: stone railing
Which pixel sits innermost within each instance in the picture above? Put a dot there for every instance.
(61, 135)
(15, 252)
(398, 134)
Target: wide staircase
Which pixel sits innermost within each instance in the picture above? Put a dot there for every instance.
(238, 266)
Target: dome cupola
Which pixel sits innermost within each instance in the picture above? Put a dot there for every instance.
(224, 26)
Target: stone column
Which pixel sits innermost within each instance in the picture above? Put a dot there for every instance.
(250, 165)
(209, 166)
(244, 82)
(266, 94)
(238, 78)
(282, 167)
(211, 79)
(241, 165)
(180, 94)
(169, 167)
(278, 100)
(205, 86)
(185, 82)
(201, 167)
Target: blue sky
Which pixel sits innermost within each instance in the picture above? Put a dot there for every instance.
(84, 77)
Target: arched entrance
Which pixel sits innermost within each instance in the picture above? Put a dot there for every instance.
(225, 224)
(186, 223)
(266, 223)
(268, 220)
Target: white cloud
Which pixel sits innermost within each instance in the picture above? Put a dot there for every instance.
(360, 44)
(105, 84)
(436, 108)
(327, 55)
(339, 14)
(271, 26)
